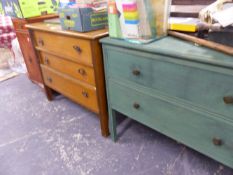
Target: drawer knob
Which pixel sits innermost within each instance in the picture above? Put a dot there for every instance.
(228, 99)
(30, 60)
(217, 141)
(136, 105)
(136, 72)
(82, 71)
(78, 49)
(50, 80)
(41, 42)
(21, 26)
(85, 94)
(46, 61)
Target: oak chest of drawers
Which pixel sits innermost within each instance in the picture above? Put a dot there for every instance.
(179, 89)
(72, 64)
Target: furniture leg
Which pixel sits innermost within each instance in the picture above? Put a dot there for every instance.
(104, 123)
(49, 93)
(112, 124)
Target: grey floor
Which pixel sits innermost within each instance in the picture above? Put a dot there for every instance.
(61, 138)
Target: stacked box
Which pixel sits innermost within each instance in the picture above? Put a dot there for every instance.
(82, 19)
(29, 8)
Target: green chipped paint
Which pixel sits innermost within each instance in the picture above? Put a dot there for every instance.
(179, 90)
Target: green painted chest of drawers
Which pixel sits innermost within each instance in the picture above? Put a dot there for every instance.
(177, 88)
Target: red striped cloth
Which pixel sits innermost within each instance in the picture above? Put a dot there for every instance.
(6, 32)
(6, 25)
(6, 38)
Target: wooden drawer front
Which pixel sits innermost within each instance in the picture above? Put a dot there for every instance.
(75, 90)
(77, 50)
(75, 70)
(202, 132)
(200, 86)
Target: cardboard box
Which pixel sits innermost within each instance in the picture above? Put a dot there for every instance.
(29, 8)
(82, 19)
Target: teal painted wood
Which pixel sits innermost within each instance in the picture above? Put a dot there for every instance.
(178, 92)
(196, 130)
(177, 48)
(198, 84)
(112, 126)
(111, 113)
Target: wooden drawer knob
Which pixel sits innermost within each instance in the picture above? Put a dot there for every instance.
(30, 60)
(217, 141)
(46, 61)
(136, 72)
(228, 99)
(85, 94)
(41, 42)
(82, 71)
(78, 49)
(21, 26)
(50, 79)
(136, 105)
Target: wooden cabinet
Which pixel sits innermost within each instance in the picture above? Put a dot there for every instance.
(72, 65)
(26, 46)
(179, 89)
(30, 59)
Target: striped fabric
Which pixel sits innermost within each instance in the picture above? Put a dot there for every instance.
(6, 25)
(7, 33)
(6, 38)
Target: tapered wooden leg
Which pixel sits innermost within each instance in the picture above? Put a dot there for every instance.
(49, 93)
(104, 122)
(112, 124)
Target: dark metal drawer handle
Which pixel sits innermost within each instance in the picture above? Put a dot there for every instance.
(217, 141)
(50, 79)
(136, 105)
(228, 99)
(46, 61)
(41, 42)
(136, 72)
(78, 49)
(85, 94)
(82, 71)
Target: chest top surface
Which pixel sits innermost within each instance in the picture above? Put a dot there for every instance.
(56, 28)
(176, 48)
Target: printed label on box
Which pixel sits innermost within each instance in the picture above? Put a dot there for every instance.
(98, 19)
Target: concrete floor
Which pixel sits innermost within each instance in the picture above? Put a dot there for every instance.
(61, 138)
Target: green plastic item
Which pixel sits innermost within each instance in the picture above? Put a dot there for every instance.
(114, 26)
